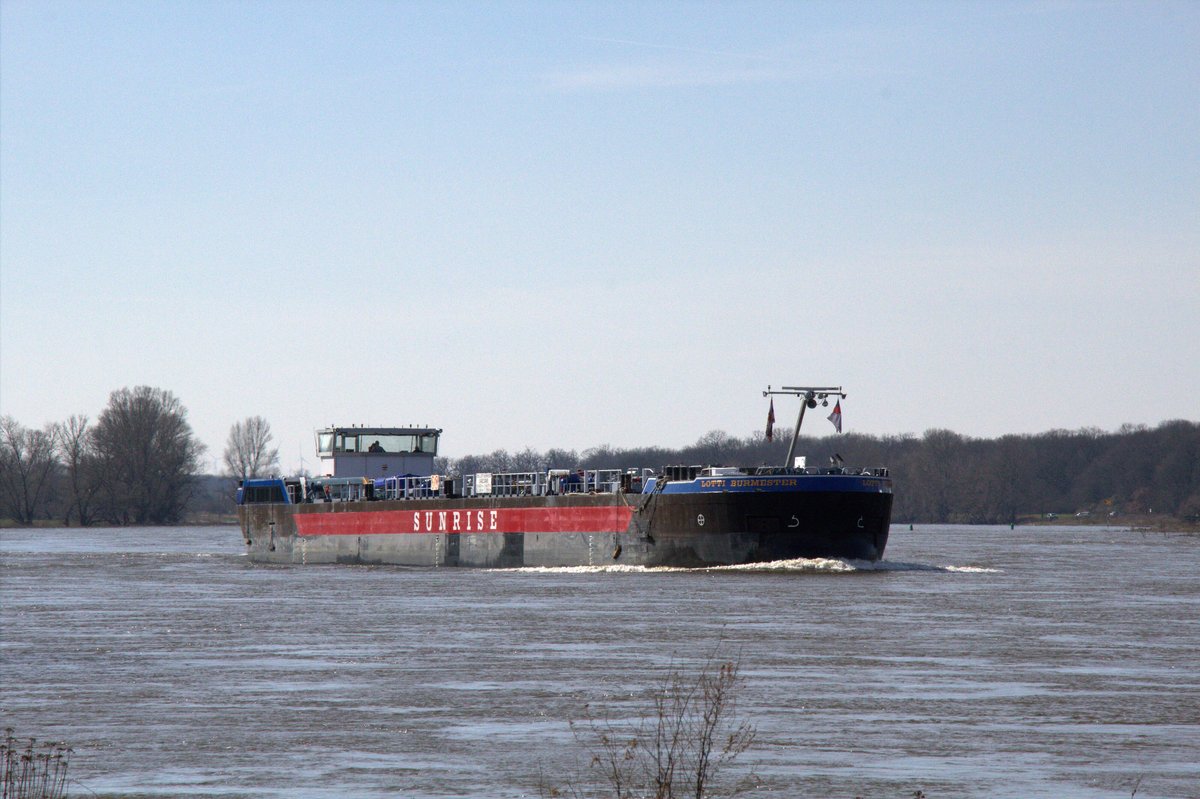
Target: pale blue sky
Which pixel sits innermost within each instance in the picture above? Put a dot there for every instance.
(560, 224)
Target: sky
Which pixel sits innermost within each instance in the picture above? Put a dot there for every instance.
(577, 224)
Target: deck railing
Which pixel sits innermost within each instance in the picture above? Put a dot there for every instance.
(506, 484)
(553, 482)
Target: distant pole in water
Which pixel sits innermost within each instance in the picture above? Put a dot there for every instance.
(809, 396)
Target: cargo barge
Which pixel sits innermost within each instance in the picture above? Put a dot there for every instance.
(380, 502)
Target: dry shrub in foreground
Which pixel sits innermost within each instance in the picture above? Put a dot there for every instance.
(679, 747)
(31, 772)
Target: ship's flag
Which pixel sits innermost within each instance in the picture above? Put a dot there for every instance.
(771, 421)
(836, 416)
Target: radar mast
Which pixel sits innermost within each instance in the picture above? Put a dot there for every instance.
(809, 395)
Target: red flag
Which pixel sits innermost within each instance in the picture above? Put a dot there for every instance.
(836, 416)
(771, 421)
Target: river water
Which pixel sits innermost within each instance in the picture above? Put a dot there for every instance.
(972, 662)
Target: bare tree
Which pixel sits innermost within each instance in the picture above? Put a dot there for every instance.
(715, 446)
(147, 455)
(681, 747)
(248, 450)
(27, 467)
(77, 451)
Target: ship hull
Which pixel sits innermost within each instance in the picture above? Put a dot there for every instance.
(701, 529)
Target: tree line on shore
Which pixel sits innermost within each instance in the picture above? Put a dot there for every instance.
(945, 477)
(139, 462)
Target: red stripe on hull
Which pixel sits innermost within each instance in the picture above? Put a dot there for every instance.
(488, 520)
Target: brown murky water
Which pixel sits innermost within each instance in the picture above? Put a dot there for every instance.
(974, 662)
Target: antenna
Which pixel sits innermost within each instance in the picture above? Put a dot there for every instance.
(810, 395)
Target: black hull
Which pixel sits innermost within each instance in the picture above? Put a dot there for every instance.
(683, 530)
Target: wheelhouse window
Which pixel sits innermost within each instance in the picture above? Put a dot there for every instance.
(398, 444)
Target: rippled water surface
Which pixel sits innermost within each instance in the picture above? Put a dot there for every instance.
(973, 662)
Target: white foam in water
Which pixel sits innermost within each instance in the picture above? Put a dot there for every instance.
(837, 565)
(590, 569)
(796, 565)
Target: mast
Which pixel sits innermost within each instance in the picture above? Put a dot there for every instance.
(809, 396)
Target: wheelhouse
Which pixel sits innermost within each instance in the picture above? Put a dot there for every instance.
(375, 452)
